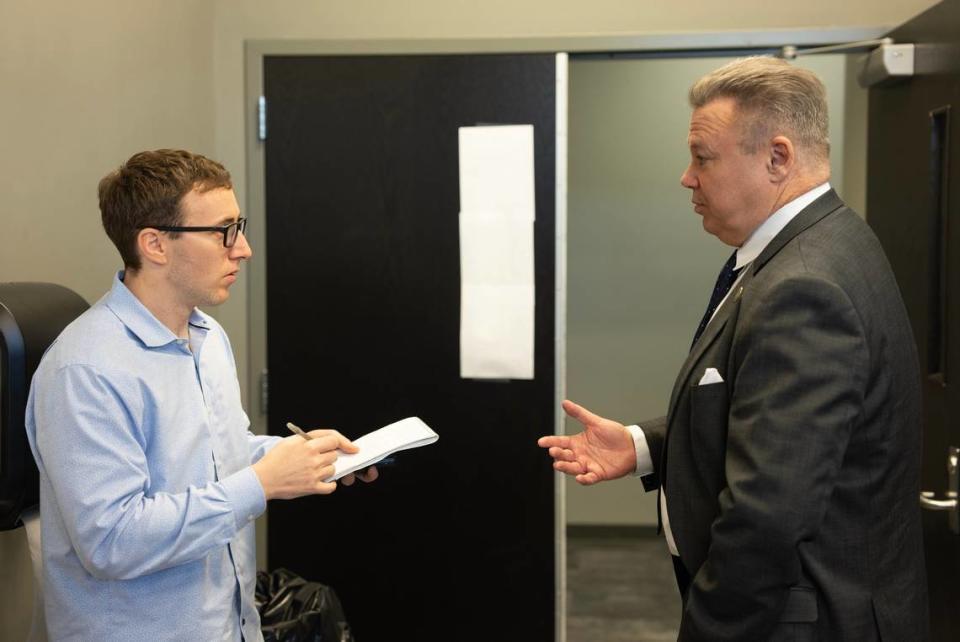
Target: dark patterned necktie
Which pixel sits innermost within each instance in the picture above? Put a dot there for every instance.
(724, 282)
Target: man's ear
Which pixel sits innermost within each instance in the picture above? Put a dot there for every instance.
(152, 246)
(782, 158)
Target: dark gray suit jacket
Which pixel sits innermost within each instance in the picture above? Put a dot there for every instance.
(792, 486)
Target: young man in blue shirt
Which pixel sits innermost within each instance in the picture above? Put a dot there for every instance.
(150, 479)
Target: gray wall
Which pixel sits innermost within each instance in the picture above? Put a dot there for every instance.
(855, 137)
(641, 268)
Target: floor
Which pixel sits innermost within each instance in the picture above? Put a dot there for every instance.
(620, 588)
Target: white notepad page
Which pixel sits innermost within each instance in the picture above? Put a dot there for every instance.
(374, 446)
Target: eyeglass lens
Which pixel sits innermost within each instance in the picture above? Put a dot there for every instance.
(233, 230)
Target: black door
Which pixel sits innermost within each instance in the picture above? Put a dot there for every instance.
(914, 206)
(455, 542)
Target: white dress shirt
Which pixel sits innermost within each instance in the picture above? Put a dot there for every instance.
(746, 254)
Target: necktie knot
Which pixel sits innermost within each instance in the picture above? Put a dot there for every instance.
(725, 280)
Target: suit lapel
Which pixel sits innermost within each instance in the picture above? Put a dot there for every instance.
(810, 215)
(710, 334)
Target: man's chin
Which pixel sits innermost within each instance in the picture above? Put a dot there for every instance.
(726, 236)
(709, 227)
(216, 298)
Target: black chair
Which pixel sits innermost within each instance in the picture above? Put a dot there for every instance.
(32, 315)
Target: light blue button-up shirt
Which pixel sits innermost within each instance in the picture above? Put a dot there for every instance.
(147, 495)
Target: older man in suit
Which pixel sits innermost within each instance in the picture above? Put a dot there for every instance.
(788, 461)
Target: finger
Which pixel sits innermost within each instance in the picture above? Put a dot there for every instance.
(325, 488)
(562, 454)
(346, 445)
(369, 474)
(569, 467)
(587, 479)
(580, 413)
(347, 480)
(326, 459)
(326, 472)
(554, 440)
(326, 443)
(342, 442)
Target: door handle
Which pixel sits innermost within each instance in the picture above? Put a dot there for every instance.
(928, 502)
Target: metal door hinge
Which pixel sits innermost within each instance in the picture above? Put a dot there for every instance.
(262, 118)
(264, 391)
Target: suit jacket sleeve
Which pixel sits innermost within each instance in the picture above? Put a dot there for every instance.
(799, 363)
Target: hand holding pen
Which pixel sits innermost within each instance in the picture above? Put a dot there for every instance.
(367, 474)
(293, 468)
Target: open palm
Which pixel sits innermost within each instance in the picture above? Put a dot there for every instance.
(603, 451)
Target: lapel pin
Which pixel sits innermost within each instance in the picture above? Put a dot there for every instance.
(739, 292)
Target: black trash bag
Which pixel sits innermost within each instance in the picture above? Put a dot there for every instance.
(295, 610)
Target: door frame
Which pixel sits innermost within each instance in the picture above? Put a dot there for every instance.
(255, 202)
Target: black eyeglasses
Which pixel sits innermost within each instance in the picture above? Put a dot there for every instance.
(230, 232)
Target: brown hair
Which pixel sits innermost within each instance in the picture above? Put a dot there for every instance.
(771, 94)
(146, 191)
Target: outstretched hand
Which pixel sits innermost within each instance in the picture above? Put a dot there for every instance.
(603, 451)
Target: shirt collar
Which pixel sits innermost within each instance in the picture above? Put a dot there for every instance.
(140, 321)
(761, 236)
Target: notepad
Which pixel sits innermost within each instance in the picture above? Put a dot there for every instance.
(374, 446)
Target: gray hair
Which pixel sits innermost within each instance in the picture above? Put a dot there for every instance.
(774, 97)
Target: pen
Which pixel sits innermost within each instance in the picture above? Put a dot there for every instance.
(295, 428)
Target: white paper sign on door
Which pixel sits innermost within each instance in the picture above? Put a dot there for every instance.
(497, 213)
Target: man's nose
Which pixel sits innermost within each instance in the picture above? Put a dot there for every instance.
(241, 249)
(687, 179)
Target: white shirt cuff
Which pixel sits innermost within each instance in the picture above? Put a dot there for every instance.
(644, 461)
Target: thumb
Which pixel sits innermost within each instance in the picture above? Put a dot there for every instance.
(580, 413)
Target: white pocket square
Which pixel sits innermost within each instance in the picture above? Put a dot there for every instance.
(710, 375)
